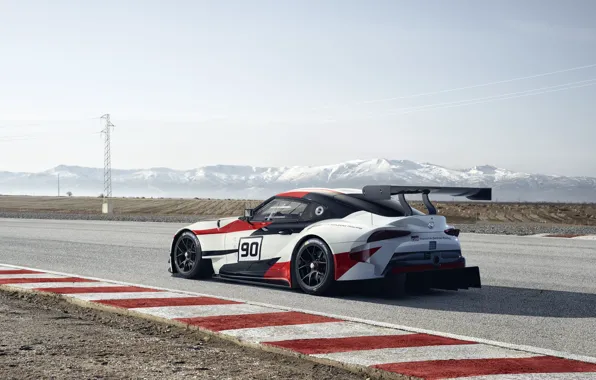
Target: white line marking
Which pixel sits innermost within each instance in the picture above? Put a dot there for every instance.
(536, 376)
(536, 350)
(416, 354)
(309, 331)
(203, 310)
(126, 295)
(585, 237)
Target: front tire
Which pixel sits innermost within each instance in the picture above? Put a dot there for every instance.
(314, 267)
(187, 257)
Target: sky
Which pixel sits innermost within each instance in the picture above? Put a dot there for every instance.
(269, 83)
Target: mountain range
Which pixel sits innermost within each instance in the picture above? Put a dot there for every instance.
(241, 181)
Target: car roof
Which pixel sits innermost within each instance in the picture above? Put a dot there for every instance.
(301, 192)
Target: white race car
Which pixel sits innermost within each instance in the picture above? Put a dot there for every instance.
(314, 238)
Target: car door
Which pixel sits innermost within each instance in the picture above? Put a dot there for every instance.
(276, 225)
(286, 218)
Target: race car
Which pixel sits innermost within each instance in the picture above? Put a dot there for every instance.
(315, 238)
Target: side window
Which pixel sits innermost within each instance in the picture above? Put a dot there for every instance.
(315, 212)
(281, 210)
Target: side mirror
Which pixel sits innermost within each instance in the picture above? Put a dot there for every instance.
(248, 213)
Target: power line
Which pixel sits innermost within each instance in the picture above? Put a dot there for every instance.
(46, 123)
(38, 137)
(473, 101)
(459, 88)
(510, 95)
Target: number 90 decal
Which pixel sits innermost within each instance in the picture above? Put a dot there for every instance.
(249, 249)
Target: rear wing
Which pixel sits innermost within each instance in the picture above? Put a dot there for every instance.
(385, 192)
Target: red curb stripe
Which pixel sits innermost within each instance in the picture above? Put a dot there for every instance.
(448, 369)
(564, 235)
(160, 302)
(19, 271)
(97, 289)
(358, 343)
(232, 322)
(4, 281)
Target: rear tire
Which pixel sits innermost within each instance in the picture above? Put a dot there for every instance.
(314, 267)
(187, 257)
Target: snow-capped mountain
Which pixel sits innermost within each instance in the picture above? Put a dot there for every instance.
(235, 181)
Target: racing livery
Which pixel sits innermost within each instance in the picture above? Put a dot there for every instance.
(314, 239)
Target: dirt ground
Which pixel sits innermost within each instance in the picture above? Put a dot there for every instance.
(48, 338)
(457, 212)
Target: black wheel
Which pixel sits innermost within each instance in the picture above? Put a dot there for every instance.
(188, 259)
(314, 268)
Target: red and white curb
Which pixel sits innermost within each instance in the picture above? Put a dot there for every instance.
(406, 351)
(567, 236)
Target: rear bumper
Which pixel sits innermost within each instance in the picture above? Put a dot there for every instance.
(448, 279)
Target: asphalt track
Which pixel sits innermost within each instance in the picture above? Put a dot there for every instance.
(536, 291)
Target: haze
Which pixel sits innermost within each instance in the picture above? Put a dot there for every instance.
(190, 83)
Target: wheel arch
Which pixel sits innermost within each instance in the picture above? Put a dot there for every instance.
(294, 284)
(173, 244)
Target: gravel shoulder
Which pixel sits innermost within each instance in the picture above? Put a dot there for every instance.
(501, 228)
(45, 337)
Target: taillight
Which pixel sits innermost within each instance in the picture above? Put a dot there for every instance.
(387, 234)
(452, 232)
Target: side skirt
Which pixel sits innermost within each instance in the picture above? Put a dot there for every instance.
(272, 282)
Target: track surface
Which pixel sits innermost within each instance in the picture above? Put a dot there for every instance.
(537, 291)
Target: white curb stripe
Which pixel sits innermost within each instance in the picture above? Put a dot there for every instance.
(416, 354)
(127, 295)
(309, 331)
(32, 285)
(204, 310)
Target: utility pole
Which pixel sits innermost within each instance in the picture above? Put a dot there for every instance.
(107, 207)
(58, 184)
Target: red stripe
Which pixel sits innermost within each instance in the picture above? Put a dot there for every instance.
(293, 194)
(357, 343)
(160, 302)
(343, 263)
(447, 369)
(235, 226)
(301, 194)
(97, 289)
(20, 271)
(230, 322)
(280, 271)
(36, 280)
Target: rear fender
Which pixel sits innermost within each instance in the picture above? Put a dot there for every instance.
(421, 223)
(337, 231)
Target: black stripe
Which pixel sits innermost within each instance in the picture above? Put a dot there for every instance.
(248, 268)
(282, 227)
(219, 253)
